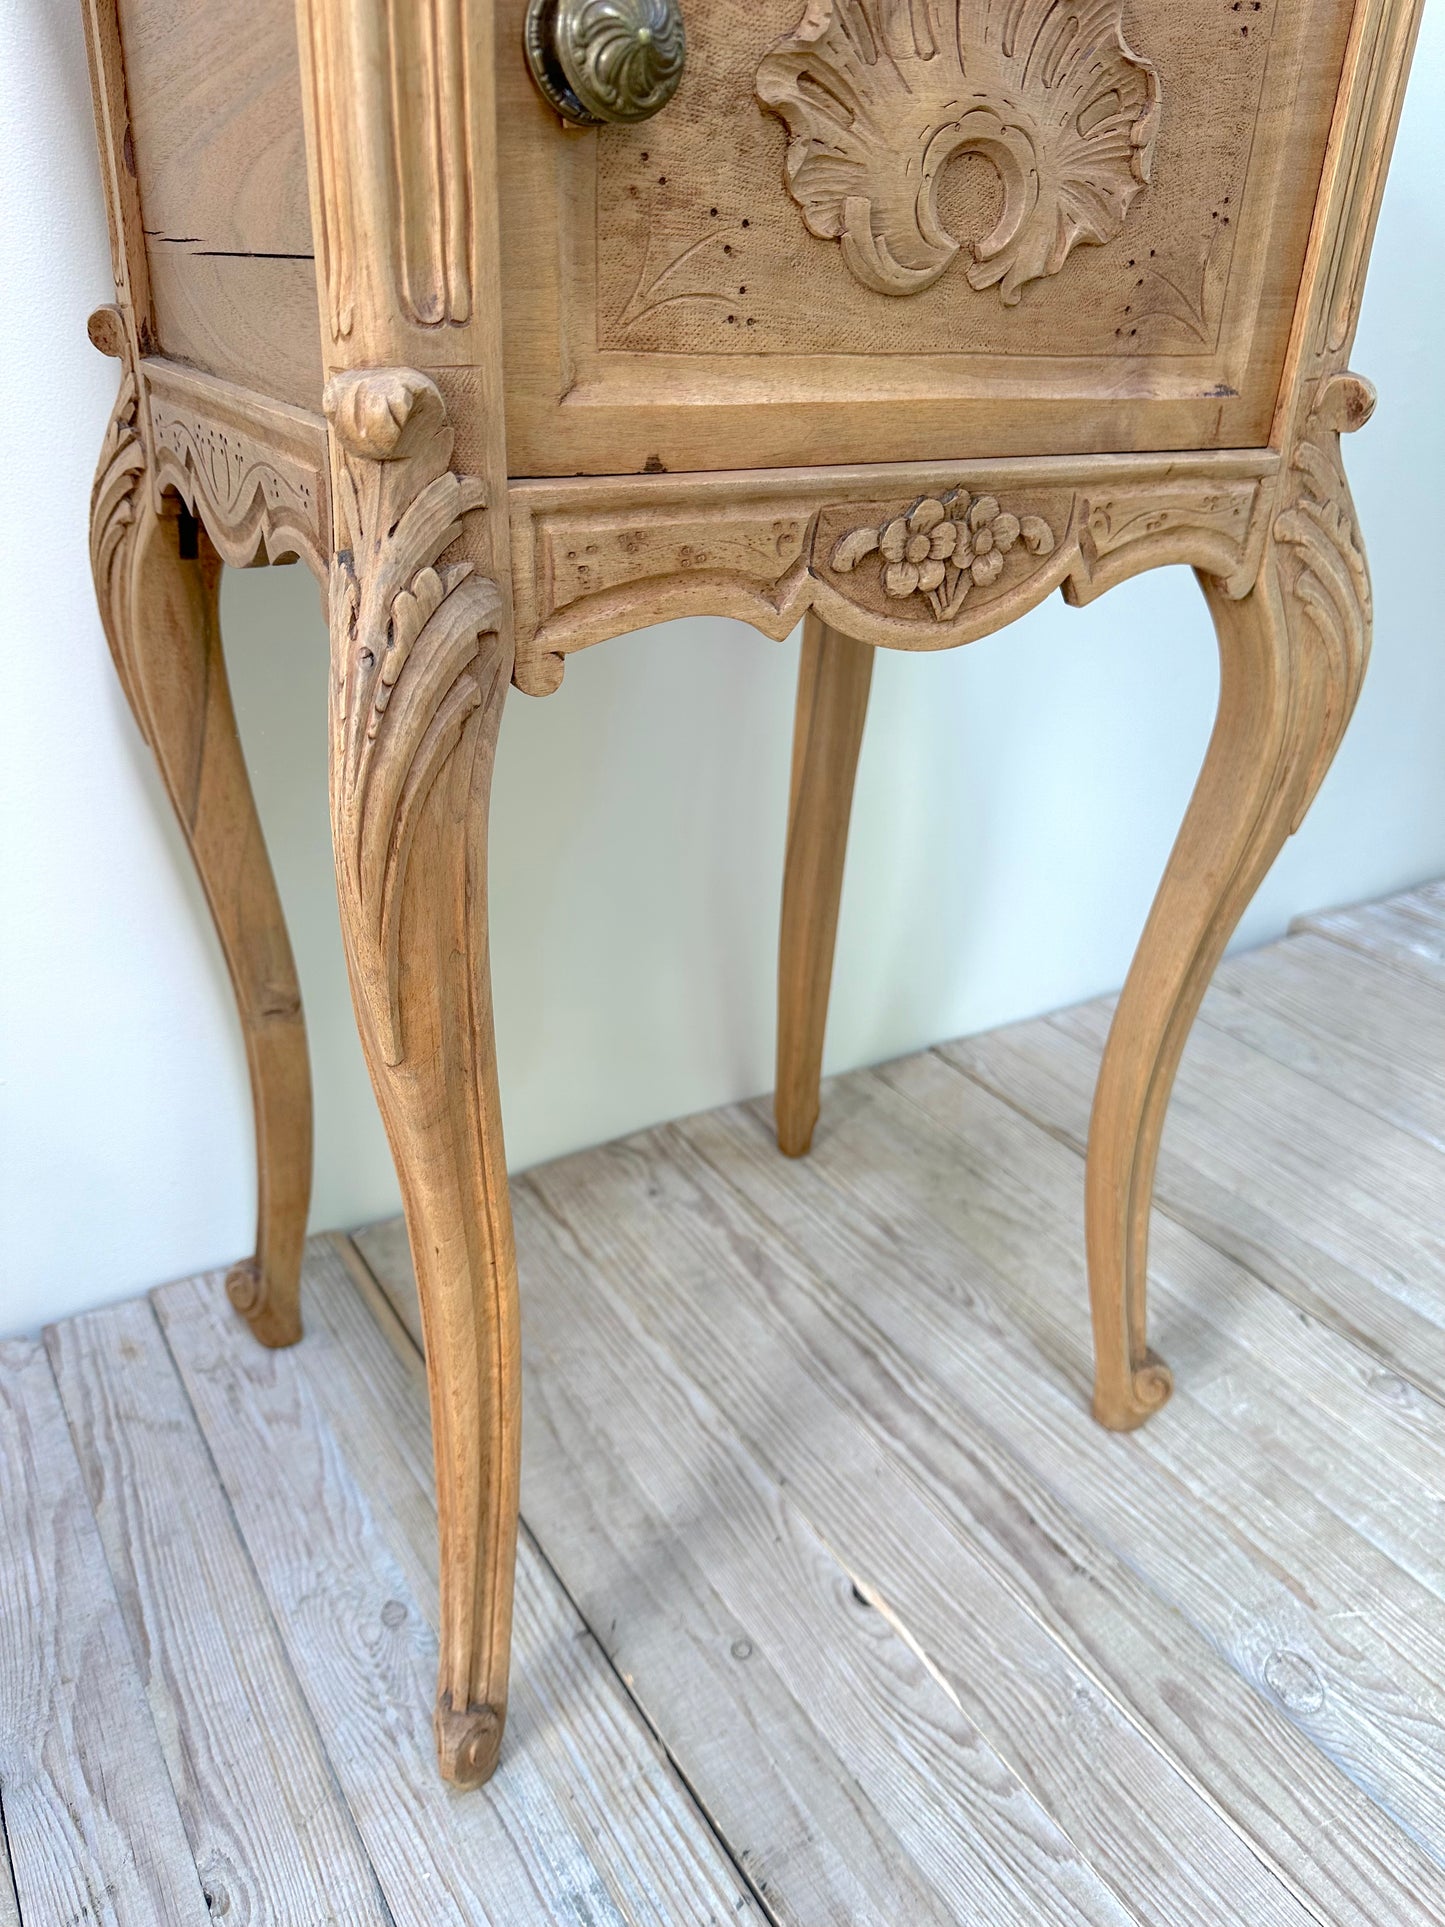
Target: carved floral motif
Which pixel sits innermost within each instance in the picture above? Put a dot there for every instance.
(406, 641)
(944, 547)
(879, 96)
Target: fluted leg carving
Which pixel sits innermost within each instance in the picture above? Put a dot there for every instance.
(157, 578)
(1292, 658)
(833, 677)
(421, 659)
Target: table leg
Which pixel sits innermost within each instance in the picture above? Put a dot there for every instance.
(157, 579)
(1292, 656)
(421, 658)
(834, 672)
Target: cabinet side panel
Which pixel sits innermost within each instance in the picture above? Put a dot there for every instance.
(219, 153)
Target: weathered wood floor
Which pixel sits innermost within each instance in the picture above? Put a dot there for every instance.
(834, 1606)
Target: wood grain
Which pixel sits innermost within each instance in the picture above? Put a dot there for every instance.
(832, 704)
(9, 1905)
(1292, 656)
(711, 1280)
(165, 635)
(799, 1712)
(1200, 1713)
(1379, 1686)
(753, 278)
(593, 558)
(401, 134)
(652, 310)
(1406, 931)
(90, 1818)
(1305, 1187)
(217, 162)
(272, 1839)
(342, 1532)
(876, 1625)
(1328, 1012)
(1366, 1440)
(1066, 1740)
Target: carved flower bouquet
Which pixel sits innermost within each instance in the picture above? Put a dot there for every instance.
(944, 548)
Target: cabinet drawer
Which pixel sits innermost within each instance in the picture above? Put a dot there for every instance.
(884, 230)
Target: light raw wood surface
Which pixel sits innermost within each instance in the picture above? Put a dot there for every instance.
(994, 296)
(834, 1608)
(834, 673)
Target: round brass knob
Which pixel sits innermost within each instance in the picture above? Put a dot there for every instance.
(606, 60)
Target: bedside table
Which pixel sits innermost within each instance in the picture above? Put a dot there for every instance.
(527, 324)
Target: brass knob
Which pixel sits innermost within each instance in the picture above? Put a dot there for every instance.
(606, 60)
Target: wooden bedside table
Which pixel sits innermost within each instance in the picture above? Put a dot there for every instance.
(888, 315)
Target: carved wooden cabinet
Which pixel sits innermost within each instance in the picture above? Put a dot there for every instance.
(889, 315)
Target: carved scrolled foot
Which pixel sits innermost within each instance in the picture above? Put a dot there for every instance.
(1122, 1405)
(272, 1311)
(468, 1743)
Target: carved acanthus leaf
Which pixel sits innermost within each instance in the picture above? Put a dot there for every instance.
(1330, 591)
(406, 639)
(944, 547)
(879, 96)
(113, 498)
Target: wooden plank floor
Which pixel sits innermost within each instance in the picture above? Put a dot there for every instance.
(833, 1604)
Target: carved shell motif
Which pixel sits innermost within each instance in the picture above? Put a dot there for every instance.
(879, 96)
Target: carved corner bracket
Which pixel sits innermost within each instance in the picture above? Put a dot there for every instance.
(880, 95)
(408, 664)
(254, 471)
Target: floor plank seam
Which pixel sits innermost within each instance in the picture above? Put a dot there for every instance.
(745, 1879)
(1004, 1667)
(1384, 957)
(9, 1895)
(261, 1594)
(1204, 1231)
(1080, 1661)
(1362, 1351)
(1107, 1544)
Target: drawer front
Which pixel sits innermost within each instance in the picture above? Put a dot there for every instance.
(883, 230)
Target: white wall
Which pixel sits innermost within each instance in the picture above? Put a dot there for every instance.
(1015, 804)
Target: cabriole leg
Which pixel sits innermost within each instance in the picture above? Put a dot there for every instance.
(833, 677)
(421, 659)
(1292, 657)
(157, 579)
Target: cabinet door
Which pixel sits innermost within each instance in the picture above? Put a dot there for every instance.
(883, 230)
